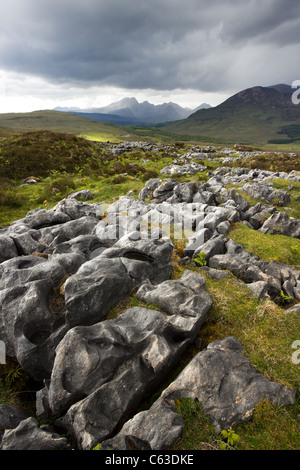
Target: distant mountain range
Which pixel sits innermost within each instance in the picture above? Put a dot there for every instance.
(257, 114)
(129, 111)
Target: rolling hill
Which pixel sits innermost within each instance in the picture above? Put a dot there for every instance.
(55, 121)
(254, 115)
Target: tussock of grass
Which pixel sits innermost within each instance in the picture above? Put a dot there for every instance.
(278, 248)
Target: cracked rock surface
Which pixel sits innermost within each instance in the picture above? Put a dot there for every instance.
(62, 271)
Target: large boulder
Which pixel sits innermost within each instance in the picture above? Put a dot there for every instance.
(103, 371)
(280, 223)
(28, 435)
(104, 281)
(222, 379)
(10, 418)
(45, 239)
(266, 192)
(31, 324)
(8, 248)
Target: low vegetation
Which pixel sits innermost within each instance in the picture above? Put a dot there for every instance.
(278, 248)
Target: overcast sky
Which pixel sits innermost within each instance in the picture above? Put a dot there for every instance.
(89, 53)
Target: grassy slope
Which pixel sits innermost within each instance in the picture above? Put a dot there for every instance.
(247, 123)
(56, 121)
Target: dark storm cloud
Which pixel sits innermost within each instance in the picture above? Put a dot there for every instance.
(158, 44)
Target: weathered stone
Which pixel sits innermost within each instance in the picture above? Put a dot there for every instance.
(214, 273)
(29, 436)
(266, 192)
(89, 245)
(259, 289)
(104, 281)
(164, 190)
(293, 309)
(239, 201)
(185, 191)
(10, 418)
(8, 248)
(46, 239)
(205, 197)
(288, 290)
(150, 186)
(214, 246)
(76, 209)
(196, 241)
(185, 299)
(83, 194)
(98, 285)
(280, 223)
(104, 370)
(297, 291)
(40, 218)
(157, 428)
(222, 380)
(223, 228)
(185, 169)
(30, 323)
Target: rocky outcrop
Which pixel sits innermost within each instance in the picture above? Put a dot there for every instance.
(219, 377)
(185, 169)
(105, 370)
(282, 224)
(28, 435)
(63, 270)
(267, 193)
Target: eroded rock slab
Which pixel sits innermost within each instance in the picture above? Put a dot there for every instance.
(282, 224)
(102, 372)
(222, 379)
(185, 299)
(28, 435)
(104, 281)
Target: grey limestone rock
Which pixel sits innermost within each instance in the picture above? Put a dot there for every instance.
(28, 435)
(280, 223)
(222, 380)
(102, 372)
(104, 281)
(10, 418)
(8, 248)
(83, 194)
(266, 192)
(185, 299)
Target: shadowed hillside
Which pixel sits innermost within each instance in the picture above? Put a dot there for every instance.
(255, 115)
(56, 121)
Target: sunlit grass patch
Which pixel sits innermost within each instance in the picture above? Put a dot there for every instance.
(278, 248)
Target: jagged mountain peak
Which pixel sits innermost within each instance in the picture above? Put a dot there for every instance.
(129, 111)
(276, 95)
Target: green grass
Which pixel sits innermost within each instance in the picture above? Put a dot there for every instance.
(65, 163)
(278, 248)
(42, 153)
(232, 123)
(267, 335)
(56, 121)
